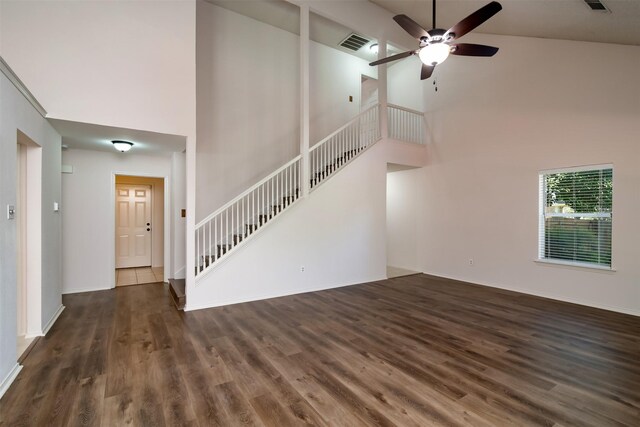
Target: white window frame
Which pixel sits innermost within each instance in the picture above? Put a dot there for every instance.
(542, 215)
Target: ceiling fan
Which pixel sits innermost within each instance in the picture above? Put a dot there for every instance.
(436, 45)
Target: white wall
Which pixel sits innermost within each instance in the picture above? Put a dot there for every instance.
(333, 77)
(16, 113)
(127, 64)
(404, 86)
(88, 210)
(363, 17)
(538, 104)
(247, 118)
(337, 234)
(248, 100)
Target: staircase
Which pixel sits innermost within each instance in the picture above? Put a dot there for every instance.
(230, 227)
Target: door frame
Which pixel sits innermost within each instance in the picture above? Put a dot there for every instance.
(32, 246)
(166, 223)
(364, 77)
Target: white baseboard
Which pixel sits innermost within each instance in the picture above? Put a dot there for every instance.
(180, 274)
(8, 380)
(53, 319)
(536, 293)
(78, 291)
(48, 326)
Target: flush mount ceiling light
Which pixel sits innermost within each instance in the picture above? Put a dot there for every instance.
(123, 146)
(374, 48)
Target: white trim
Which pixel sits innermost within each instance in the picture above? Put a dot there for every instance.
(576, 169)
(81, 290)
(343, 127)
(13, 78)
(570, 300)
(565, 263)
(8, 380)
(408, 110)
(53, 319)
(247, 191)
(578, 215)
(179, 274)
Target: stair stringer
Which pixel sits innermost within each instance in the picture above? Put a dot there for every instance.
(337, 234)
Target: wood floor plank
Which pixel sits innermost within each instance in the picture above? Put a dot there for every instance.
(411, 351)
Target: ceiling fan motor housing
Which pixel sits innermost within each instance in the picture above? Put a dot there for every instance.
(434, 46)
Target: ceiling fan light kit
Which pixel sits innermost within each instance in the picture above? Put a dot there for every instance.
(435, 45)
(434, 54)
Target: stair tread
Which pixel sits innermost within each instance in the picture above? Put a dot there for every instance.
(177, 291)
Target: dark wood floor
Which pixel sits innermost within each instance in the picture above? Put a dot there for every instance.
(411, 351)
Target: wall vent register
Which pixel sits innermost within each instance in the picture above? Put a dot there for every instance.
(354, 42)
(596, 5)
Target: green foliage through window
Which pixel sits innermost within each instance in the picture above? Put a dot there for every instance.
(577, 216)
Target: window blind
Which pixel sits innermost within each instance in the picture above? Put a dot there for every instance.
(576, 215)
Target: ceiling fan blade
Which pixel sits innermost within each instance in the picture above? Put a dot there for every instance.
(393, 58)
(426, 71)
(475, 19)
(411, 26)
(470, 49)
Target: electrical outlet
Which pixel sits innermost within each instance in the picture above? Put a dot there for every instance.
(471, 261)
(302, 269)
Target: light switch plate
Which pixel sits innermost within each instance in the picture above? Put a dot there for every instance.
(56, 207)
(11, 212)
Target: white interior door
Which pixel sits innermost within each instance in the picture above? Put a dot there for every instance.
(133, 225)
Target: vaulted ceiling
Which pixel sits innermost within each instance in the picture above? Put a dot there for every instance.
(556, 19)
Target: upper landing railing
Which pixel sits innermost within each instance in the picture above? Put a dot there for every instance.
(229, 227)
(406, 124)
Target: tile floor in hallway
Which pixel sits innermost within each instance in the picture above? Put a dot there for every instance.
(139, 275)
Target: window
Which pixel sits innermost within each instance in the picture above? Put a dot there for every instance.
(576, 216)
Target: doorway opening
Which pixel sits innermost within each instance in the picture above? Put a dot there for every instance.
(28, 216)
(139, 230)
(368, 92)
(403, 222)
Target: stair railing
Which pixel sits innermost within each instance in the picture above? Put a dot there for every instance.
(228, 227)
(406, 124)
(337, 149)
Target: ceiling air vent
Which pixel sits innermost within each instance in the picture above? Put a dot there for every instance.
(596, 5)
(354, 42)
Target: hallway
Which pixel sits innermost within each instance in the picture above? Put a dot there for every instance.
(139, 275)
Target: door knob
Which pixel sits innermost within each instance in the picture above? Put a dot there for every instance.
(148, 229)
(148, 224)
